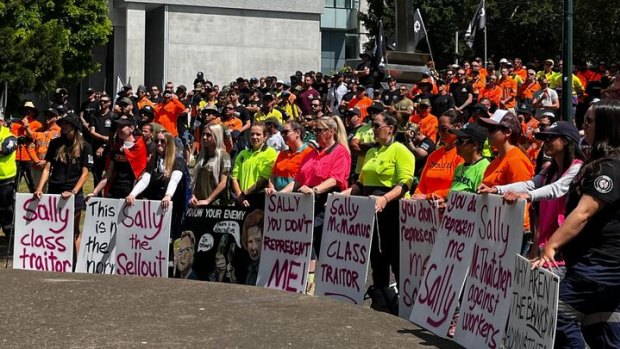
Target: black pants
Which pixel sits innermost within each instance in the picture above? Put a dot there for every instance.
(24, 168)
(7, 205)
(98, 168)
(385, 246)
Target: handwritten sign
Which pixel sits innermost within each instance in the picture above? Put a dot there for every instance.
(287, 242)
(345, 248)
(43, 233)
(142, 245)
(443, 279)
(487, 292)
(533, 307)
(419, 221)
(97, 253)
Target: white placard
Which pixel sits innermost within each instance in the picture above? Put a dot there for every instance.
(533, 307)
(287, 242)
(445, 273)
(97, 254)
(345, 248)
(43, 233)
(143, 239)
(419, 222)
(488, 290)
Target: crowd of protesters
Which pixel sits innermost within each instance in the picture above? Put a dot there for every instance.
(471, 127)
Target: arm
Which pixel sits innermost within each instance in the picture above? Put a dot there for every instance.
(98, 136)
(470, 98)
(558, 188)
(80, 183)
(104, 181)
(44, 177)
(140, 186)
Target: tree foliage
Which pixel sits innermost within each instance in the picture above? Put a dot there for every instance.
(49, 43)
(516, 28)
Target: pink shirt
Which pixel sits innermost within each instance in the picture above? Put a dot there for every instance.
(318, 166)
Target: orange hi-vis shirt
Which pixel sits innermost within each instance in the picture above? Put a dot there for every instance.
(361, 104)
(233, 124)
(527, 90)
(428, 125)
(144, 102)
(511, 168)
(509, 88)
(522, 73)
(436, 177)
(42, 139)
(478, 85)
(493, 94)
(26, 152)
(167, 115)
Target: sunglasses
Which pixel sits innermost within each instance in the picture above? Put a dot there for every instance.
(285, 132)
(230, 108)
(160, 141)
(318, 130)
(377, 126)
(316, 105)
(444, 129)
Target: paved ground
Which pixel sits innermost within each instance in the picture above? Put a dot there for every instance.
(76, 310)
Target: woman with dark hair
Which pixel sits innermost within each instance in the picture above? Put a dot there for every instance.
(68, 160)
(589, 241)
(289, 161)
(470, 140)
(551, 185)
(253, 167)
(436, 177)
(163, 180)
(386, 175)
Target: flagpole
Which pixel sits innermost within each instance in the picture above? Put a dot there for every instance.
(428, 43)
(485, 36)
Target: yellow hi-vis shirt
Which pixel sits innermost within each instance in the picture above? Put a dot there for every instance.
(388, 166)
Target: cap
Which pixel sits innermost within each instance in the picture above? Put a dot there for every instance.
(440, 82)
(254, 79)
(51, 112)
(480, 108)
(285, 94)
(29, 105)
(209, 110)
(182, 88)
(125, 100)
(531, 71)
(560, 128)
(62, 91)
(147, 109)
(425, 101)
(127, 87)
(268, 96)
(60, 108)
(524, 109)
(352, 112)
(71, 119)
(454, 66)
(502, 118)
(287, 83)
(273, 122)
(198, 86)
(376, 108)
(473, 131)
(549, 61)
(280, 82)
(166, 92)
(503, 60)
(90, 91)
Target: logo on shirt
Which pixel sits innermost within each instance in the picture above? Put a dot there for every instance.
(603, 184)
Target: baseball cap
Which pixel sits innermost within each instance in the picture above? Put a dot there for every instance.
(209, 110)
(473, 131)
(142, 88)
(524, 109)
(503, 60)
(71, 119)
(502, 118)
(51, 112)
(90, 91)
(147, 109)
(376, 108)
(480, 108)
(425, 101)
(124, 121)
(560, 128)
(281, 82)
(549, 61)
(182, 88)
(268, 96)
(352, 112)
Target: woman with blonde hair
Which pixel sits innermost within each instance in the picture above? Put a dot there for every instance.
(211, 170)
(163, 180)
(68, 160)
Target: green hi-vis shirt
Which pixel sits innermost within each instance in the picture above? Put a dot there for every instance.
(468, 177)
(366, 135)
(252, 165)
(388, 166)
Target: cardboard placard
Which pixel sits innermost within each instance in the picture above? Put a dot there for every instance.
(533, 307)
(97, 254)
(345, 248)
(488, 290)
(287, 242)
(419, 222)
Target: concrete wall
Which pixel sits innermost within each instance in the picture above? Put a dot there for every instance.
(227, 43)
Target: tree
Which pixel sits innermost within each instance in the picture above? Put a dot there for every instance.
(49, 43)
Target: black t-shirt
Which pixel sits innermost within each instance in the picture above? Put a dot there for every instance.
(599, 241)
(244, 114)
(390, 97)
(366, 80)
(64, 176)
(441, 103)
(461, 93)
(159, 183)
(89, 108)
(123, 178)
(428, 145)
(103, 126)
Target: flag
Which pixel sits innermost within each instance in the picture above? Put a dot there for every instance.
(479, 21)
(419, 31)
(378, 52)
(119, 84)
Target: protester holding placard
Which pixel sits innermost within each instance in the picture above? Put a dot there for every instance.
(511, 164)
(289, 161)
(324, 170)
(437, 175)
(127, 162)
(552, 184)
(209, 185)
(589, 240)
(163, 180)
(469, 145)
(68, 160)
(387, 174)
(252, 170)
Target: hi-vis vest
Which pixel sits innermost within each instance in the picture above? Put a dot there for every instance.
(8, 167)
